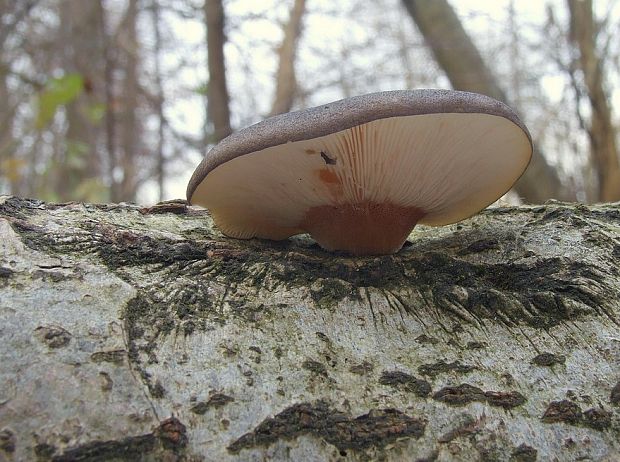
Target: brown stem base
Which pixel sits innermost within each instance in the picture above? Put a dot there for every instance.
(365, 228)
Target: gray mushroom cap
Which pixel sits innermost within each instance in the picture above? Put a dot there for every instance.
(354, 150)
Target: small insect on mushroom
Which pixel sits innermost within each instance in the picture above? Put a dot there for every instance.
(360, 173)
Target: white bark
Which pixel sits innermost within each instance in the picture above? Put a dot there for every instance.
(128, 332)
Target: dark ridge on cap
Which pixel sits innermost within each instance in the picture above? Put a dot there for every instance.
(343, 114)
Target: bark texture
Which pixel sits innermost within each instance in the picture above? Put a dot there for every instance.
(133, 333)
(458, 56)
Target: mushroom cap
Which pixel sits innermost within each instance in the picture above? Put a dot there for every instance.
(364, 167)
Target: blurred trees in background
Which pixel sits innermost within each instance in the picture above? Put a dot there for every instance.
(117, 100)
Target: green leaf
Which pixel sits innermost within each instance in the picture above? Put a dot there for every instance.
(57, 92)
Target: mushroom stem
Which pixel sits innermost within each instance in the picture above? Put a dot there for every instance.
(365, 228)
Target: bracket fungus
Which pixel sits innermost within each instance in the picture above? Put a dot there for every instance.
(358, 174)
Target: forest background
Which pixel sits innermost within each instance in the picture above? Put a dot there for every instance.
(118, 100)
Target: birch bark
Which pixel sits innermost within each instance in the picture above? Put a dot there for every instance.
(131, 333)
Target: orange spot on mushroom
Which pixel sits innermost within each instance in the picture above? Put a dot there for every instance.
(366, 228)
(332, 182)
(328, 176)
(310, 151)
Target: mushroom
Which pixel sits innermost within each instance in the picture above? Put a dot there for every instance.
(358, 174)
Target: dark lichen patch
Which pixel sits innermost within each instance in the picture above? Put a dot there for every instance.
(433, 370)
(127, 449)
(476, 345)
(524, 453)
(53, 336)
(464, 394)
(215, 400)
(49, 275)
(552, 293)
(323, 338)
(278, 352)
(548, 359)
(362, 369)
(118, 248)
(331, 291)
(242, 309)
(597, 418)
(568, 412)
(172, 433)
(540, 293)
(165, 442)
(481, 245)
(467, 426)
(144, 316)
(7, 440)
(200, 408)
(44, 451)
(219, 400)
(505, 399)
(6, 273)
(614, 396)
(376, 429)
(176, 206)
(156, 389)
(563, 411)
(110, 356)
(315, 367)
(426, 340)
(21, 208)
(106, 381)
(460, 395)
(406, 382)
(574, 216)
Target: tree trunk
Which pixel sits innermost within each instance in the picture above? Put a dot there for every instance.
(142, 333)
(218, 111)
(128, 118)
(79, 163)
(457, 55)
(10, 165)
(286, 83)
(602, 133)
(160, 97)
(109, 66)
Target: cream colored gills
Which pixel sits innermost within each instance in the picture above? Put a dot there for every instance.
(449, 165)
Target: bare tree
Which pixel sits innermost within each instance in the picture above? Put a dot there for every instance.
(286, 83)
(78, 164)
(601, 131)
(110, 115)
(160, 97)
(218, 111)
(8, 163)
(129, 124)
(465, 68)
